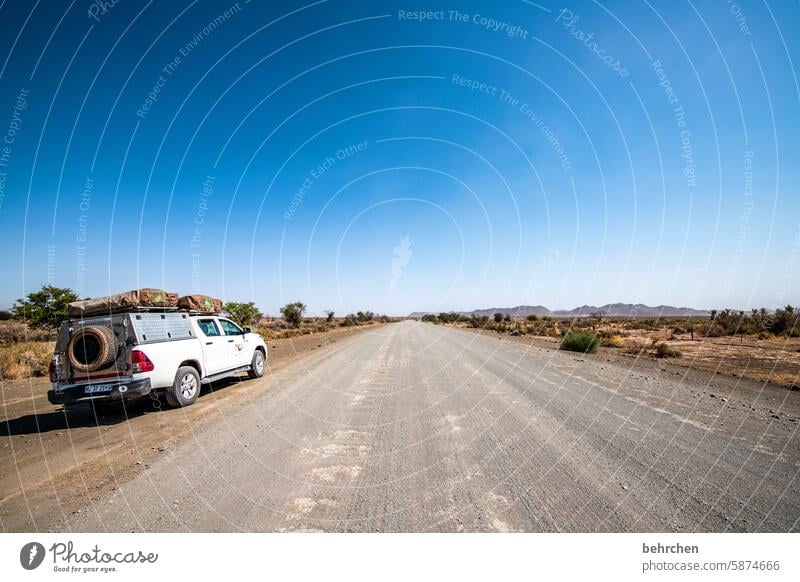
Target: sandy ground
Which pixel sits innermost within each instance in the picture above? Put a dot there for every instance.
(416, 427)
(775, 360)
(54, 463)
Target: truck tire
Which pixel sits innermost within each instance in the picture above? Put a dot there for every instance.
(92, 348)
(185, 389)
(258, 365)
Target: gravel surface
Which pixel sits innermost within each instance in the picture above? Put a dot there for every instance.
(416, 427)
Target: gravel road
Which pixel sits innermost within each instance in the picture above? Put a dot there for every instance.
(416, 427)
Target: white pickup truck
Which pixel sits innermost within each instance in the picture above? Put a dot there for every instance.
(123, 355)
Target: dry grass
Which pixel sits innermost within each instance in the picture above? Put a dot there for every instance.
(758, 357)
(26, 359)
(17, 331)
(613, 341)
(271, 329)
(25, 352)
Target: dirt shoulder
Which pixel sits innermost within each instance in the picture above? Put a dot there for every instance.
(55, 462)
(737, 379)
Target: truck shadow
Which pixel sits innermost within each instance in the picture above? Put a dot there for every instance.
(86, 415)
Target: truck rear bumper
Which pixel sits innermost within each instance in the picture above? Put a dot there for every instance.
(116, 390)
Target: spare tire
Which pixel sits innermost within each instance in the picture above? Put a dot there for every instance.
(91, 348)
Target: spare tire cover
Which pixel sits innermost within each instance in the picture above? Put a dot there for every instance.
(91, 348)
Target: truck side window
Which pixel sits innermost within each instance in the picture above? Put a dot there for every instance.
(229, 327)
(208, 327)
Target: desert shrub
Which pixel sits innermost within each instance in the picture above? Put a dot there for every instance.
(350, 320)
(329, 316)
(532, 317)
(664, 350)
(430, 318)
(613, 341)
(364, 316)
(293, 313)
(450, 317)
(785, 321)
(582, 323)
(5, 315)
(678, 330)
(498, 317)
(478, 321)
(46, 307)
(650, 323)
(577, 341)
(245, 314)
(635, 348)
(23, 360)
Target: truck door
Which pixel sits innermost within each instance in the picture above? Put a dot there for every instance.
(215, 346)
(239, 349)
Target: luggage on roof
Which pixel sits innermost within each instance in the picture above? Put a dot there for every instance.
(202, 303)
(137, 298)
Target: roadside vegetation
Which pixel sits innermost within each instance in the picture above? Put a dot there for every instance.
(761, 344)
(244, 314)
(28, 330)
(579, 341)
(293, 322)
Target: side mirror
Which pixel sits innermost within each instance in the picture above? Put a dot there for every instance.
(245, 330)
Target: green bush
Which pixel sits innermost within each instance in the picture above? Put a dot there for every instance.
(293, 313)
(46, 307)
(578, 341)
(245, 314)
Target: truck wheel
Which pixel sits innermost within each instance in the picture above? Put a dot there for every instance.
(186, 388)
(258, 365)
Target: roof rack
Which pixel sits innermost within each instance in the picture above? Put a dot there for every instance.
(136, 309)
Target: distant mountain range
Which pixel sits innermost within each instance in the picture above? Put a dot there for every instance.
(608, 310)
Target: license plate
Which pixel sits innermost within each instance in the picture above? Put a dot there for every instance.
(99, 388)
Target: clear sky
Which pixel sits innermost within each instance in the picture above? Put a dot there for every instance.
(360, 155)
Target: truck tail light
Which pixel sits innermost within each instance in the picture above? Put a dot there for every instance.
(141, 363)
(52, 370)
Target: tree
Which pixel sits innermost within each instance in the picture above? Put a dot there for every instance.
(45, 308)
(244, 314)
(498, 317)
(329, 316)
(293, 313)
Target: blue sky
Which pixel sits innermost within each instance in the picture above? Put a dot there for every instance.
(353, 155)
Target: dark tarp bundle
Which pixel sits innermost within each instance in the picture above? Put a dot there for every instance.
(202, 303)
(146, 297)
